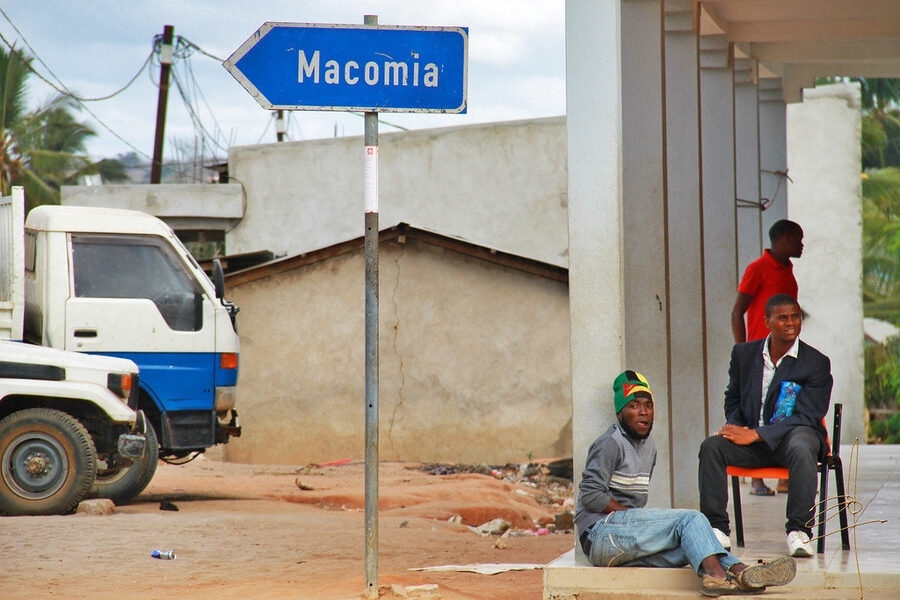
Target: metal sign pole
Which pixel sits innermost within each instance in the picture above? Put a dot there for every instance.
(370, 169)
(297, 66)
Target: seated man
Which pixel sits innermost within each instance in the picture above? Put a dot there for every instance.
(617, 530)
(778, 392)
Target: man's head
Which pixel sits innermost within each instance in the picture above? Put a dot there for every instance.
(783, 318)
(786, 238)
(634, 404)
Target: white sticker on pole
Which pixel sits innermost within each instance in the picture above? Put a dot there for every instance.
(370, 170)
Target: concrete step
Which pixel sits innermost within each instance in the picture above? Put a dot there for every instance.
(571, 578)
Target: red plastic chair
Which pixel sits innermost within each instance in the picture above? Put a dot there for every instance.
(832, 462)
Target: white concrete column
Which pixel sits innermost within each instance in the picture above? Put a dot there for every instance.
(617, 227)
(687, 368)
(825, 196)
(594, 138)
(746, 167)
(645, 275)
(719, 219)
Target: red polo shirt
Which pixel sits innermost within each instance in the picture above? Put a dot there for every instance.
(763, 278)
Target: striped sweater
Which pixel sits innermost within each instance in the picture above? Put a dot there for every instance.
(618, 467)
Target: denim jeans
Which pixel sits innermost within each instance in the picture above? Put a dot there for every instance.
(798, 451)
(655, 537)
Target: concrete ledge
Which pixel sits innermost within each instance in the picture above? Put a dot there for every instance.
(822, 577)
(569, 577)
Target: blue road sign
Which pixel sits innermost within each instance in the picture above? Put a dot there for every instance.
(303, 66)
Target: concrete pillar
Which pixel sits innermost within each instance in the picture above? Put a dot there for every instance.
(687, 371)
(746, 167)
(825, 196)
(773, 179)
(617, 215)
(594, 139)
(720, 273)
(645, 276)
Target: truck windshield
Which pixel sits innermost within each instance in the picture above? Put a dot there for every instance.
(134, 266)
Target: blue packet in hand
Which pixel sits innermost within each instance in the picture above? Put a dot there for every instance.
(787, 398)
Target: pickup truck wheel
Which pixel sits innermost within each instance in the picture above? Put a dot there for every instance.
(48, 462)
(125, 483)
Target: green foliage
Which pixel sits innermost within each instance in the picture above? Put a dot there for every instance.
(881, 243)
(882, 373)
(881, 139)
(885, 431)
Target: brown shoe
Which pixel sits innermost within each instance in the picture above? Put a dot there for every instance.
(710, 586)
(780, 571)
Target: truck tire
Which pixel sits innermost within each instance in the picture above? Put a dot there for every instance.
(48, 462)
(124, 484)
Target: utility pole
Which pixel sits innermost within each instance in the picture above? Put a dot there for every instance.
(166, 55)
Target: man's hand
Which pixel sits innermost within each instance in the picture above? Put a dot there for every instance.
(613, 506)
(742, 436)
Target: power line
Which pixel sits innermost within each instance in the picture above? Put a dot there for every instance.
(65, 91)
(185, 82)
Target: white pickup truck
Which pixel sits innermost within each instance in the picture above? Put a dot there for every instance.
(64, 418)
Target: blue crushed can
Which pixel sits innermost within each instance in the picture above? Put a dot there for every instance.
(163, 554)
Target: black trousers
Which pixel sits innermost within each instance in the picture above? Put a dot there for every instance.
(798, 451)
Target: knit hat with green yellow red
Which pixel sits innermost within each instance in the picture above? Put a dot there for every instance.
(628, 386)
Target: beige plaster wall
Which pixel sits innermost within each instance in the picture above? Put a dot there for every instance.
(474, 361)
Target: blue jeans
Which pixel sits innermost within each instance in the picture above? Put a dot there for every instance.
(655, 537)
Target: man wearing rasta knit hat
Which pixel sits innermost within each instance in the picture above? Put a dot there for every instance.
(628, 387)
(616, 528)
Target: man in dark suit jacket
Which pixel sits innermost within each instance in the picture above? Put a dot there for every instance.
(782, 428)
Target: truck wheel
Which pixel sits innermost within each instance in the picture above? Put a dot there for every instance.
(48, 462)
(125, 483)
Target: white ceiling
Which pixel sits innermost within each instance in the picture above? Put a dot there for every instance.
(799, 40)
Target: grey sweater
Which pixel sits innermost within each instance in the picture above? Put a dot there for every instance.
(618, 467)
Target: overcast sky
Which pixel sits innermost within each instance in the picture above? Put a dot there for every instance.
(516, 63)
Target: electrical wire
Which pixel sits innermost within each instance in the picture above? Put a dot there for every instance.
(62, 88)
(182, 74)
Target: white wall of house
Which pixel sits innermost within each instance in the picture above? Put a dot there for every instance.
(499, 185)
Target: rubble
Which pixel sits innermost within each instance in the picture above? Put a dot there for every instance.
(546, 483)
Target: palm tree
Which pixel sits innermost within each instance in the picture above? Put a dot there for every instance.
(13, 73)
(45, 148)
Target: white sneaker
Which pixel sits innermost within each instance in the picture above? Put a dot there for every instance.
(723, 539)
(799, 544)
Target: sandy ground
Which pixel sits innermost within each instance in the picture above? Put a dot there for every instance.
(258, 532)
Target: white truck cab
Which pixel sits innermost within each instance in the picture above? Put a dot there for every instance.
(119, 283)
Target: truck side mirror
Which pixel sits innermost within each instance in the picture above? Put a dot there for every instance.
(219, 278)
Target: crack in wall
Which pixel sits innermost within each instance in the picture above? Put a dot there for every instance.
(402, 376)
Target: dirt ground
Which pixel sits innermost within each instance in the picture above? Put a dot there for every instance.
(267, 531)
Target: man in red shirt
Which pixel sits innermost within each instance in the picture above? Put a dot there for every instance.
(770, 274)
